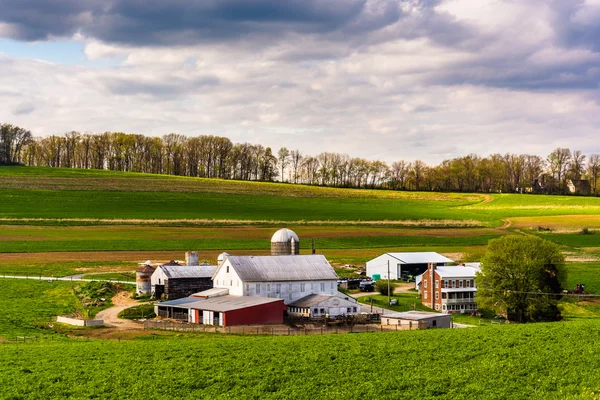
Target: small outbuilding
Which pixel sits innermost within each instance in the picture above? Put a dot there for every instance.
(224, 310)
(417, 319)
(173, 281)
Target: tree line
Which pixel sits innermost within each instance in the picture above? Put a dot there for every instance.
(211, 156)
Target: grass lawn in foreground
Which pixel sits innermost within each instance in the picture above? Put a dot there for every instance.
(536, 361)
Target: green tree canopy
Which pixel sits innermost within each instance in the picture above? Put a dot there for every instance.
(522, 278)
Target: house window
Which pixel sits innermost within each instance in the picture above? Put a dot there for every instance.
(468, 283)
(247, 287)
(322, 286)
(437, 306)
(279, 288)
(258, 288)
(425, 283)
(437, 295)
(434, 323)
(268, 287)
(290, 296)
(349, 309)
(322, 311)
(353, 309)
(227, 269)
(437, 284)
(332, 285)
(302, 287)
(460, 283)
(290, 287)
(472, 283)
(426, 294)
(443, 295)
(316, 311)
(230, 283)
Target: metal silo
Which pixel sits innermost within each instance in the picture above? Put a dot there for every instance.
(285, 242)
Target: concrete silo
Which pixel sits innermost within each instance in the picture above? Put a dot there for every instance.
(285, 242)
(143, 284)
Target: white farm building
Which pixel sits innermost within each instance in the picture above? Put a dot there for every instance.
(403, 264)
(284, 277)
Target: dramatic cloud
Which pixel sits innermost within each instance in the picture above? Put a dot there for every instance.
(374, 78)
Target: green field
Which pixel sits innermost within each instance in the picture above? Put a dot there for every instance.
(538, 361)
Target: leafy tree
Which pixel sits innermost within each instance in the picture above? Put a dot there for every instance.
(521, 277)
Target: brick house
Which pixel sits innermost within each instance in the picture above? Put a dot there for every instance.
(450, 289)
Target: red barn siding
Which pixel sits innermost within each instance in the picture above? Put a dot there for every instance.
(271, 313)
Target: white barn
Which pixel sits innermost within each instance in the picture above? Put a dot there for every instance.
(318, 305)
(290, 278)
(404, 264)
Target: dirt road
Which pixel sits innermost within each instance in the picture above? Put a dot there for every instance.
(121, 301)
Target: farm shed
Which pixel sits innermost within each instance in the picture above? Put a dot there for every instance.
(177, 281)
(404, 264)
(422, 319)
(319, 305)
(283, 277)
(224, 310)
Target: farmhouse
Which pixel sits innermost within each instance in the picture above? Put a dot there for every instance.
(289, 278)
(417, 319)
(223, 310)
(319, 305)
(450, 289)
(579, 186)
(173, 281)
(403, 264)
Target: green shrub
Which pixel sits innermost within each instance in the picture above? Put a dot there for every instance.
(382, 287)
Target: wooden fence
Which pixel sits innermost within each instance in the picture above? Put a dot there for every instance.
(275, 330)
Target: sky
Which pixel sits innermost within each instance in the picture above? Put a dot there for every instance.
(379, 79)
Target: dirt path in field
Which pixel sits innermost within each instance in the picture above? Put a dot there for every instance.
(121, 301)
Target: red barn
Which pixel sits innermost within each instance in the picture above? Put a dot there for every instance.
(224, 310)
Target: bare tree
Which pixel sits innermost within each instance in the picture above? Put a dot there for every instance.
(283, 157)
(593, 170)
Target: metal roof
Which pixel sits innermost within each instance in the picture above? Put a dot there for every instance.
(314, 299)
(214, 292)
(415, 315)
(221, 303)
(420, 257)
(188, 271)
(282, 268)
(457, 272)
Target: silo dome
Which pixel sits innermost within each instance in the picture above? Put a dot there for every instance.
(222, 257)
(285, 242)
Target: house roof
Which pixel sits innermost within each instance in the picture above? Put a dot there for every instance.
(282, 268)
(221, 303)
(314, 299)
(457, 272)
(420, 257)
(188, 271)
(415, 315)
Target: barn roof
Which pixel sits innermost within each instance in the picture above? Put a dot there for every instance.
(282, 268)
(221, 303)
(314, 299)
(188, 271)
(420, 257)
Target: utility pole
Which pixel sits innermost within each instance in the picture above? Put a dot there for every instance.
(388, 265)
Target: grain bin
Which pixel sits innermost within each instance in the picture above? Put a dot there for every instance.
(143, 284)
(285, 242)
(191, 258)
